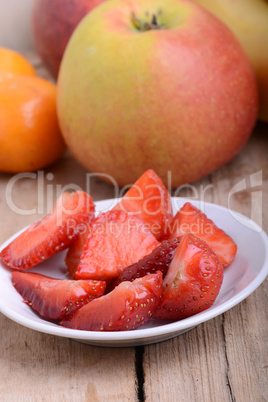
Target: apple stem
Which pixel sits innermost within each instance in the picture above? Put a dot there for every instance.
(144, 26)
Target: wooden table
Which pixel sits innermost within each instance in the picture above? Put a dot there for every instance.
(224, 359)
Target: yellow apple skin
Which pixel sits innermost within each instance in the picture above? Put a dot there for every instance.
(248, 19)
(181, 99)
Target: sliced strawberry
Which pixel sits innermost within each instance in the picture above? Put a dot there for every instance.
(192, 282)
(149, 200)
(191, 219)
(116, 241)
(55, 298)
(158, 260)
(73, 256)
(54, 233)
(128, 306)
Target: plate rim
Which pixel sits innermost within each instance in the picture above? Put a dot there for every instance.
(143, 334)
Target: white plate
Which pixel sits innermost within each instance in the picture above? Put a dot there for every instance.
(241, 278)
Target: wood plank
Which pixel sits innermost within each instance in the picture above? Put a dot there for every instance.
(187, 368)
(226, 358)
(246, 325)
(36, 366)
(246, 338)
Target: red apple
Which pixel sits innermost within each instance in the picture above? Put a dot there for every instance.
(53, 22)
(158, 84)
(249, 22)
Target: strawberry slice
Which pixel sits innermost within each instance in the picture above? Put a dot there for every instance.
(158, 260)
(73, 256)
(128, 306)
(52, 234)
(192, 282)
(116, 241)
(191, 219)
(149, 200)
(55, 298)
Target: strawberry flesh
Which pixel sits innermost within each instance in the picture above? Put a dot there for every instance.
(158, 260)
(116, 240)
(55, 298)
(52, 234)
(149, 200)
(127, 307)
(73, 256)
(192, 282)
(190, 219)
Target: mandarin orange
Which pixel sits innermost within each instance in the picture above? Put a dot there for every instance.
(30, 138)
(12, 62)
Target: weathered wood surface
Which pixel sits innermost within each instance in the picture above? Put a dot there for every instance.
(224, 359)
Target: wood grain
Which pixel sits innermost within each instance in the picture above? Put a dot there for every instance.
(41, 367)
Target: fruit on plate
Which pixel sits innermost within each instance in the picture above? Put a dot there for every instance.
(158, 260)
(127, 307)
(53, 22)
(52, 298)
(116, 241)
(52, 234)
(154, 84)
(171, 280)
(12, 62)
(248, 21)
(192, 282)
(30, 136)
(149, 200)
(191, 219)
